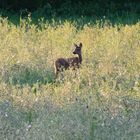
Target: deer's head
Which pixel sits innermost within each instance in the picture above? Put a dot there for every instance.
(77, 49)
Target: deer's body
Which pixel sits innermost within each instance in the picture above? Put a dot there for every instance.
(65, 63)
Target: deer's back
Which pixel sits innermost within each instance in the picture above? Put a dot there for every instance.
(66, 62)
(61, 62)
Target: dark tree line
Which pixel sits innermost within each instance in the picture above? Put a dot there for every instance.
(72, 6)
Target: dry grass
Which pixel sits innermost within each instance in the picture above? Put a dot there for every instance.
(99, 101)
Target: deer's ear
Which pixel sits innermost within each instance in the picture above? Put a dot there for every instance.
(80, 44)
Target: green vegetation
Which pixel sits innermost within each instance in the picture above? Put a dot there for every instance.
(66, 7)
(100, 100)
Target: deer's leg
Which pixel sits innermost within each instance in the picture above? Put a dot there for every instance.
(56, 73)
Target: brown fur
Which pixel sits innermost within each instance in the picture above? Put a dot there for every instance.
(65, 63)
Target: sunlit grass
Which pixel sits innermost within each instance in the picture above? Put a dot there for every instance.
(100, 100)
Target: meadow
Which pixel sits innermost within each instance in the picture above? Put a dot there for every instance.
(99, 101)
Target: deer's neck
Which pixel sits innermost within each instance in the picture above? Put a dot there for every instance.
(80, 58)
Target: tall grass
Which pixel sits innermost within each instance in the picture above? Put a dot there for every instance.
(100, 100)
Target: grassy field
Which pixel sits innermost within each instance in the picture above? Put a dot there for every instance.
(99, 101)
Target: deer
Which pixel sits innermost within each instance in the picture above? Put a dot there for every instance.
(73, 62)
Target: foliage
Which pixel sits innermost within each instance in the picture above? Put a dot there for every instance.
(70, 7)
(100, 100)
